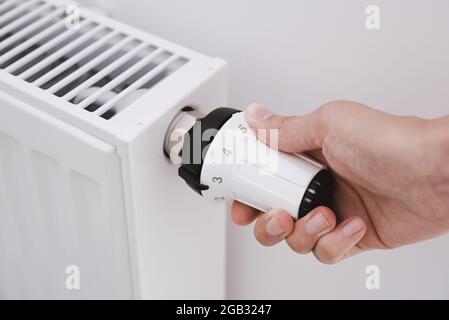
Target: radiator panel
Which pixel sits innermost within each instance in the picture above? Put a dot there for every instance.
(61, 204)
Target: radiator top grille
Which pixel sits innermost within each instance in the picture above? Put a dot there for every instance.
(93, 66)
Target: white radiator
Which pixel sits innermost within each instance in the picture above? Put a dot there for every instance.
(85, 102)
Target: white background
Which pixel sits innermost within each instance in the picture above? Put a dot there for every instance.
(293, 56)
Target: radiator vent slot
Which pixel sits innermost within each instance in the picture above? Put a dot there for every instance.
(96, 67)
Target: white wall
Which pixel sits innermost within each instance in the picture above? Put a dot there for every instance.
(292, 56)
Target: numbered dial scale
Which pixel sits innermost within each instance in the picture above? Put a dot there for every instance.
(222, 160)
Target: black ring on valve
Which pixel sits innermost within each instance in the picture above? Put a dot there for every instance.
(194, 148)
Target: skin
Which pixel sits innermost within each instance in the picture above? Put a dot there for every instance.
(392, 180)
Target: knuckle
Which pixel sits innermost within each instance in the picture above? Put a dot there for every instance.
(261, 236)
(335, 107)
(327, 110)
(325, 253)
(298, 246)
(331, 107)
(263, 241)
(326, 260)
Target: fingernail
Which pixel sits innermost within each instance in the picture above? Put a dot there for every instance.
(258, 113)
(352, 227)
(273, 227)
(316, 224)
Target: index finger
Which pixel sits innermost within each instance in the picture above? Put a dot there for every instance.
(242, 214)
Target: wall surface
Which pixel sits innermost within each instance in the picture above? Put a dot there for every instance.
(293, 56)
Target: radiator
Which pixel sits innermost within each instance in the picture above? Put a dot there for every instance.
(85, 102)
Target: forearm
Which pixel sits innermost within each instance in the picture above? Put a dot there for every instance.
(438, 149)
(440, 135)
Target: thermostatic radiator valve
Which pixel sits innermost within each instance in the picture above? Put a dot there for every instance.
(220, 157)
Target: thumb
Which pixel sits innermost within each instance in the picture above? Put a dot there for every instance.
(291, 133)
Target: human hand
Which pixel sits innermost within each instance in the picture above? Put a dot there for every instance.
(392, 180)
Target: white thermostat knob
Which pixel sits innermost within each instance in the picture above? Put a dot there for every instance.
(222, 160)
